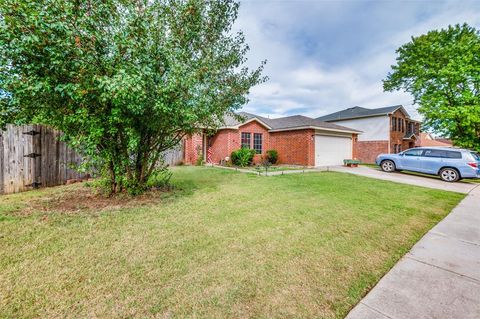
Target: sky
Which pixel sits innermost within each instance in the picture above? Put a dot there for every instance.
(325, 56)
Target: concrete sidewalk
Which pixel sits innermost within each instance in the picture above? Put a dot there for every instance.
(438, 278)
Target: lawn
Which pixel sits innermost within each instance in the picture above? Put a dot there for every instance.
(222, 245)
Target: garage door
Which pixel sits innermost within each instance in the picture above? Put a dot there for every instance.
(332, 150)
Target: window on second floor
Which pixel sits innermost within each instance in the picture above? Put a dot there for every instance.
(245, 141)
(394, 123)
(257, 142)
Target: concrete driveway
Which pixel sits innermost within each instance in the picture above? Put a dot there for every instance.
(430, 182)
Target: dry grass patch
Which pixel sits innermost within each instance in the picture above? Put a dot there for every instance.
(224, 244)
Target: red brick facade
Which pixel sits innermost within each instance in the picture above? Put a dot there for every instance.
(398, 132)
(193, 147)
(295, 147)
(367, 151)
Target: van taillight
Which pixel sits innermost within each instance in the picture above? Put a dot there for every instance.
(473, 164)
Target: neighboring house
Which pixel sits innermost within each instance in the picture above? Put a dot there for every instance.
(385, 130)
(426, 139)
(299, 140)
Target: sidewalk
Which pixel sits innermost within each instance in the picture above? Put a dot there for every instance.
(439, 277)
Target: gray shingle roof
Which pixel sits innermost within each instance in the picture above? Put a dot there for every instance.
(357, 111)
(285, 123)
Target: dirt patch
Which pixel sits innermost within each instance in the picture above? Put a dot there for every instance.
(79, 198)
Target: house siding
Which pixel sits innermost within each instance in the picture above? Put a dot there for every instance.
(373, 128)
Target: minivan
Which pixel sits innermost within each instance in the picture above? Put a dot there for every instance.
(451, 164)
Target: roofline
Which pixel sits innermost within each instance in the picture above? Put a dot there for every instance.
(236, 127)
(373, 115)
(315, 128)
(355, 117)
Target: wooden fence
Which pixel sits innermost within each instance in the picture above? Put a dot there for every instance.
(174, 155)
(33, 156)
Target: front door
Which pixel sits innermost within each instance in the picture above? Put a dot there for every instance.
(412, 160)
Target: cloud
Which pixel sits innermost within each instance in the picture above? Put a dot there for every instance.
(324, 55)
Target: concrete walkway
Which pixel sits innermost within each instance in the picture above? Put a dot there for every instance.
(439, 277)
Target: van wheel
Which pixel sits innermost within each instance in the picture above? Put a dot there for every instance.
(388, 166)
(449, 175)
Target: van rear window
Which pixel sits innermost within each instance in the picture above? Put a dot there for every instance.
(442, 153)
(452, 154)
(476, 156)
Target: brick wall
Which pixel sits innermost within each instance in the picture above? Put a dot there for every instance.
(193, 144)
(396, 137)
(294, 147)
(255, 127)
(367, 151)
(223, 143)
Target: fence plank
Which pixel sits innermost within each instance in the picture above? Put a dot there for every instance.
(51, 168)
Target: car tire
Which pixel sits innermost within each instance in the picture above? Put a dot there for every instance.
(449, 175)
(388, 166)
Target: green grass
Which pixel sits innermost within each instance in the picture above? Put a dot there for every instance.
(273, 168)
(223, 245)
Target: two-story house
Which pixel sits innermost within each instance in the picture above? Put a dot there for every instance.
(385, 130)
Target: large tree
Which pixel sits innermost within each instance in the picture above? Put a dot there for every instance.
(124, 80)
(441, 69)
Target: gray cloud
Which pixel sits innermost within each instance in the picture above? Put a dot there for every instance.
(327, 55)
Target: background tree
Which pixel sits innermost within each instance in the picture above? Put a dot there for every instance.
(441, 69)
(124, 80)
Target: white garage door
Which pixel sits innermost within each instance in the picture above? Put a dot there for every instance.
(332, 150)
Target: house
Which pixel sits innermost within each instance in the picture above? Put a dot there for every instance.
(426, 139)
(385, 130)
(299, 140)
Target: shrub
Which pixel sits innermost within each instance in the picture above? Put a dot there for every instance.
(199, 161)
(272, 156)
(160, 179)
(243, 157)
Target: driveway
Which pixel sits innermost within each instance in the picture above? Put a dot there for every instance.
(430, 182)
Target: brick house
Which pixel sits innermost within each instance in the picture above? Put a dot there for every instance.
(385, 130)
(299, 140)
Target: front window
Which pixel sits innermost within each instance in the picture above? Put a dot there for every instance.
(414, 152)
(245, 140)
(257, 143)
